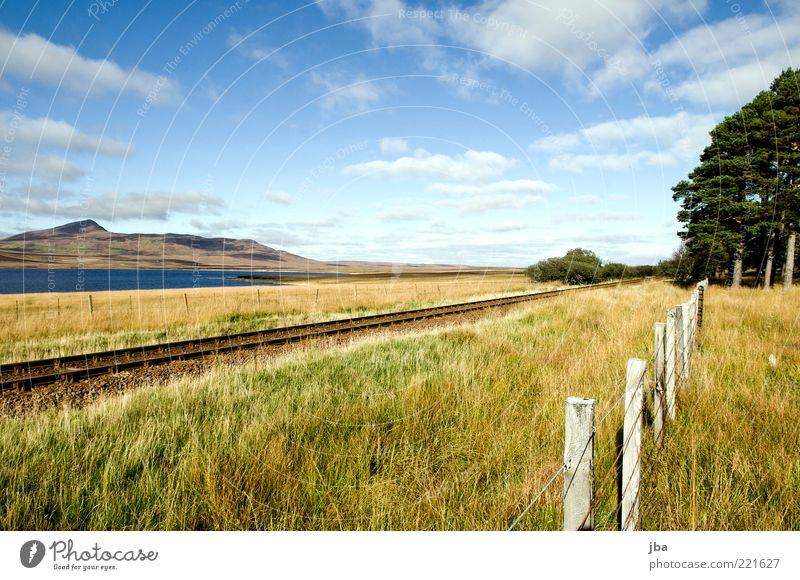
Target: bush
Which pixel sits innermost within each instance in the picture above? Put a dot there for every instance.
(615, 271)
(579, 266)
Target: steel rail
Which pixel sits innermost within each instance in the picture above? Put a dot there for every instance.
(28, 374)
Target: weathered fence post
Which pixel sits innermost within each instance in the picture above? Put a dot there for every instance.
(91, 305)
(701, 290)
(670, 348)
(686, 339)
(579, 464)
(16, 305)
(680, 363)
(632, 443)
(258, 297)
(659, 394)
(692, 323)
(186, 302)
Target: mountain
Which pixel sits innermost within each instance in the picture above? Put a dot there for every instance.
(86, 244)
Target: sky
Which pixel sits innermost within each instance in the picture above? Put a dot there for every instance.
(492, 133)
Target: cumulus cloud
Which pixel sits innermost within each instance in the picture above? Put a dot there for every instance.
(52, 133)
(471, 167)
(30, 56)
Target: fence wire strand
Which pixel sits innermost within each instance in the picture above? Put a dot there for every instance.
(538, 495)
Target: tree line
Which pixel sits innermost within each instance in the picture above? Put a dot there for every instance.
(740, 206)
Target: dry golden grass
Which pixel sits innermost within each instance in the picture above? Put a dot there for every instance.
(48, 325)
(454, 429)
(731, 459)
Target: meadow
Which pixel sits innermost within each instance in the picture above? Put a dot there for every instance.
(452, 429)
(59, 324)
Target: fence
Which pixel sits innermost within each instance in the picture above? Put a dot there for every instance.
(673, 347)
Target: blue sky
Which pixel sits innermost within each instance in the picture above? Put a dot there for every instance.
(487, 133)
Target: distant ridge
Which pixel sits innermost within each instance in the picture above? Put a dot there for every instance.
(70, 229)
(87, 244)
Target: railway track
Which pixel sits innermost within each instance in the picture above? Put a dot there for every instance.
(29, 374)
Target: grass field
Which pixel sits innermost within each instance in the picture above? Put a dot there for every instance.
(453, 429)
(48, 325)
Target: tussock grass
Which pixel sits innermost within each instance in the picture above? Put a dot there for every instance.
(454, 429)
(49, 325)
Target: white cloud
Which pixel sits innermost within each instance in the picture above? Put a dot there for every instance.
(251, 47)
(623, 144)
(387, 21)
(484, 203)
(577, 163)
(510, 226)
(496, 187)
(158, 206)
(30, 56)
(725, 64)
(402, 214)
(280, 197)
(471, 167)
(51, 133)
(356, 95)
(587, 199)
(393, 146)
(556, 143)
(603, 45)
(49, 167)
(597, 217)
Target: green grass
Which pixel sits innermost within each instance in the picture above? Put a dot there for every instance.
(456, 429)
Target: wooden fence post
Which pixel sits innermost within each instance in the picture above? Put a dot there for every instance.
(186, 302)
(679, 346)
(686, 340)
(632, 443)
(701, 290)
(579, 464)
(670, 357)
(16, 305)
(91, 305)
(693, 323)
(659, 393)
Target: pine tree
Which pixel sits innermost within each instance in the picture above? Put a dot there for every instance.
(785, 93)
(718, 200)
(745, 195)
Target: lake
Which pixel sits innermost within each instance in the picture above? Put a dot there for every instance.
(30, 280)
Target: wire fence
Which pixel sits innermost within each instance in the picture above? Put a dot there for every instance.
(671, 360)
